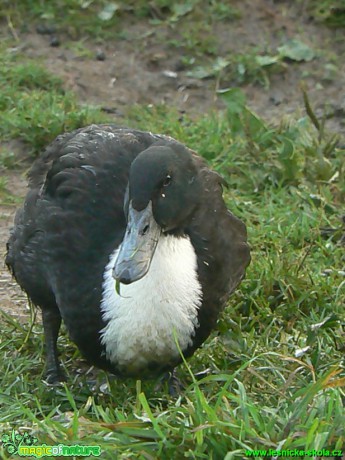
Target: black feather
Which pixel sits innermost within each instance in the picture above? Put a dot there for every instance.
(73, 218)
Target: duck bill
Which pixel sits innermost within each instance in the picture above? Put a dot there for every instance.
(138, 246)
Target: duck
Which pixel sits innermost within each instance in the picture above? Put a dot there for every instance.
(124, 236)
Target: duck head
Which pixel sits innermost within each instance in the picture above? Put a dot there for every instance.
(163, 192)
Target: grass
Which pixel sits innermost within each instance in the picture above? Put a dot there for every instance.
(272, 374)
(34, 106)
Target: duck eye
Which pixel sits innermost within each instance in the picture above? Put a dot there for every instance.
(167, 181)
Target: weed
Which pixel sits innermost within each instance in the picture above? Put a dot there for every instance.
(254, 65)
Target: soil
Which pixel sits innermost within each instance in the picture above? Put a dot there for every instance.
(153, 72)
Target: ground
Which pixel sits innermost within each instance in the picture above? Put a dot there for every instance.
(145, 69)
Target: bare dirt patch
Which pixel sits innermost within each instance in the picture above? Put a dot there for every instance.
(145, 69)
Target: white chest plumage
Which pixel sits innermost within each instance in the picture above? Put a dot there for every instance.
(144, 321)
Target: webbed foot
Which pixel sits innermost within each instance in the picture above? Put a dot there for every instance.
(54, 376)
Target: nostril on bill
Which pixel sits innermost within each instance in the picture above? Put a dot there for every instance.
(125, 277)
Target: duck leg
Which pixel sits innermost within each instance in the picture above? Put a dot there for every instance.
(51, 325)
(174, 384)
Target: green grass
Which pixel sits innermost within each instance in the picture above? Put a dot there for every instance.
(34, 106)
(275, 368)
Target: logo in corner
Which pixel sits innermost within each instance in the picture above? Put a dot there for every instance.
(13, 441)
(22, 445)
